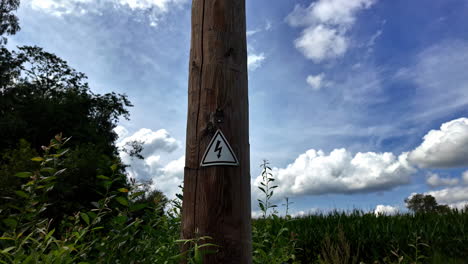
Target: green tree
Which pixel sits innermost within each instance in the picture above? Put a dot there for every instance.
(9, 24)
(40, 96)
(420, 203)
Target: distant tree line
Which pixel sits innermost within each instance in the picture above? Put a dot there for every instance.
(420, 203)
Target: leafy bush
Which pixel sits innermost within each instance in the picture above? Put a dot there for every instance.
(111, 232)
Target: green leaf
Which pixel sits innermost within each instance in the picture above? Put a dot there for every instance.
(85, 217)
(137, 207)
(114, 167)
(133, 195)
(92, 215)
(121, 219)
(122, 200)
(37, 159)
(46, 179)
(262, 207)
(123, 190)
(208, 245)
(48, 170)
(21, 194)
(6, 250)
(23, 174)
(63, 152)
(59, 172)
(197, 256)
(102, 177)
(49, 234)
(106, 184)
(10, 222)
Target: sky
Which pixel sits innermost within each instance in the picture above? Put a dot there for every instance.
(357, 104)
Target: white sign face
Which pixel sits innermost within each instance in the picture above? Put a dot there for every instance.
(219, 152)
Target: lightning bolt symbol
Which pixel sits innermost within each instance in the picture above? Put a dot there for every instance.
(218, 149)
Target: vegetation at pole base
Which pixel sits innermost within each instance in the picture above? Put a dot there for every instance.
(273, 242)
(122, 227)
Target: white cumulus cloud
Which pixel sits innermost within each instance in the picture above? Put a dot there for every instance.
(316, 81)
(319, 43)
(254, 61)
(443, 148)
(315, 173)
(434, 180)
(455, 197)
(169, 177)
(153, 141)
(164, 177)
(386, 210)
(121, 132)
(326, 25)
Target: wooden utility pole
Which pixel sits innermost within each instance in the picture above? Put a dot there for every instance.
(217, 198)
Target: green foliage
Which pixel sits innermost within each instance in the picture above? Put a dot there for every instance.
(439, 235)
(8, 21)
(195, 249)
(420, 203)
(368, 238)
(267, 188)
(110, 232)
(12, 161)
(273, 242)
(41, 95)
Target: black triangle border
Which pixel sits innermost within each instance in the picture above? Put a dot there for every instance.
(215, 163)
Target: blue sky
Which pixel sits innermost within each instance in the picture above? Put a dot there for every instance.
(356, 103)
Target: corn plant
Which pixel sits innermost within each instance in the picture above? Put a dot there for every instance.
(267, 188)
(272, 240)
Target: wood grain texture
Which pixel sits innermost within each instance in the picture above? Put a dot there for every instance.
(217, 199)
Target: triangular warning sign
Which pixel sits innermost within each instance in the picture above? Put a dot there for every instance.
(219, 152)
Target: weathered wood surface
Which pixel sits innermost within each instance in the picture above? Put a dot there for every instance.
(217, 199)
